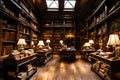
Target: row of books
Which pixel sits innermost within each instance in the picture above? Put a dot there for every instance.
(8, 36)
(102, 15)
(6, 49)
(102, 69)
(24, 29)
(115, 25)
(8, 26)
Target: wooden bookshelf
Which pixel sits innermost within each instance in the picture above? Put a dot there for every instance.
(56, 30)
(16, 22)
(102, 19)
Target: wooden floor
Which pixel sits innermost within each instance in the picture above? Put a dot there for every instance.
(57, 70)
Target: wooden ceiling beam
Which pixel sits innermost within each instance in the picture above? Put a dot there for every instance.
(61, 5)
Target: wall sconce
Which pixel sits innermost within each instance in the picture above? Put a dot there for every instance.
(113, 41)
(41, 44)
(48, 44)
(21, 44)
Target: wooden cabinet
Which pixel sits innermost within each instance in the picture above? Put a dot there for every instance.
(105, 67)
(20, 67)
(67, 55)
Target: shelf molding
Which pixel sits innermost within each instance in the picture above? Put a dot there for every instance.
(7, 29)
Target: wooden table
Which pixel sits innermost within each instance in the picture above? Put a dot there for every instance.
(43, 57)
(110, 71)
(86, 54)
(15, 66)
(67, 55)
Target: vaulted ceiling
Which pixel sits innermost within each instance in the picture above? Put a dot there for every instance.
(81, 10)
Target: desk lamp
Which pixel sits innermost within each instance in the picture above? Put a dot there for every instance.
(21, 44)
(113, 41)
(48, 44)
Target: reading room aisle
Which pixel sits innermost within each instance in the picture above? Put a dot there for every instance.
(58, 70)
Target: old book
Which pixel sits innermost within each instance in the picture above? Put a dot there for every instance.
(12, 36)
(6, 35)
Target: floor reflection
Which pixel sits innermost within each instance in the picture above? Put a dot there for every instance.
(55, 70)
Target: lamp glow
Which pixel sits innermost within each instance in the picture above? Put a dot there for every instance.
(41, 43)
(61, 41)
(113, 41)
(87, 44)
(48, 44)
(47, 41)
(21, 44)
(91, 41)
(32, 43)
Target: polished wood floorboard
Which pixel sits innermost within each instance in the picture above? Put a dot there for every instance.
(58, 70)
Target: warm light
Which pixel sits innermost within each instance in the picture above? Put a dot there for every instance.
(32, 43)
(87, 44)
(41, 43)
(21, 42)
(48, 45)
(47, 41)
(91, 41)
(113, 40)
(70, 35)
(61, 41)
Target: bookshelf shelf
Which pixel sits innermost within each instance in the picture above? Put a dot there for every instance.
(8, 42)
(113, 14)
(25, 33)
(7, 15)
(7, 29)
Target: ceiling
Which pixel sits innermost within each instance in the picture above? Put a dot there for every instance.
(82, 7)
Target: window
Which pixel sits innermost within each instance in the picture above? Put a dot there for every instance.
(52, 4)
(69, 4)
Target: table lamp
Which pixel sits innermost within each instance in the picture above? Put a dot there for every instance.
(48, 44)
(61, 41)
(91, 42)
(87, 45)
(113, 41)
(41, 44)
(32, 43)
(21, 44)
